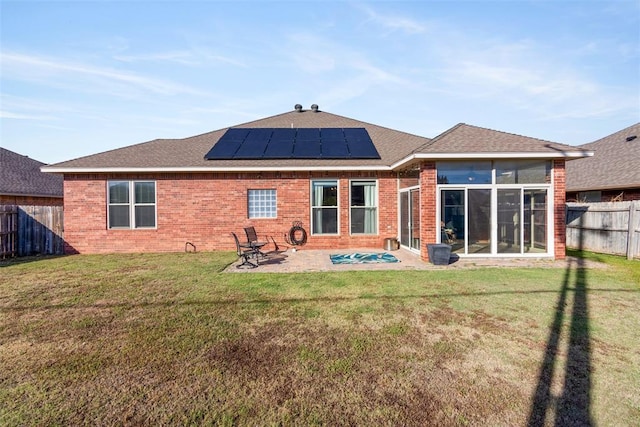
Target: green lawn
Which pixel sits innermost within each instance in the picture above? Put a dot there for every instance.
(168, 339)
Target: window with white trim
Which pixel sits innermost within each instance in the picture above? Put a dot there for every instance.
(262, 203)
(131, 204)
(364, 207)
(324, 206)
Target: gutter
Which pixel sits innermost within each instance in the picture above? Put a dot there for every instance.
(412, 158)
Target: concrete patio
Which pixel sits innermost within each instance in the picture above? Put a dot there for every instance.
(297, 260)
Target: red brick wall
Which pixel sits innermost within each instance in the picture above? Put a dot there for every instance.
(204, 208)
(30, 201)
(428, 181)
(559, 214)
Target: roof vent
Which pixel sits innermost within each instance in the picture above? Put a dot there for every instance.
(298, 108)
(314, 108)
(631, 138)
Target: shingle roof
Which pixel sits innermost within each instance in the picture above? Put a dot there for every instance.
(391, 144)
(21, 176)
(464, 138)
(395, 147)
(614, 165)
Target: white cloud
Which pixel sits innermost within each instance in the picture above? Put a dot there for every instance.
(393, 22)
(21, 116)
(32, 67)
(194, 57)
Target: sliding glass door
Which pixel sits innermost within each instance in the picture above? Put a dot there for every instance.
(410, 218)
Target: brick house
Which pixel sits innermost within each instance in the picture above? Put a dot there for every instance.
(351, 184)
(22, 182)
(612, 174)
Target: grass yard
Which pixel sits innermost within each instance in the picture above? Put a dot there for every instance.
(168, 339)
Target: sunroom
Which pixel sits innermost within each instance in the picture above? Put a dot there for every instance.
(496, 207)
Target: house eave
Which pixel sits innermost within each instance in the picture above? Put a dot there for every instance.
(49, 196)
(214, 169)
(412, 158)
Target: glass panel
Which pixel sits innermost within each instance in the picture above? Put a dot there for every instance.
(535, 220)
(523, 171)
(325, 221)
(357, 194)
(325, 193)
(415, 219)
(145, 192)
(509, 222)
(405, 221)
(479, 221)
(118, 192)
(363, 221)
(468, 173)
(145, 216)
(262, 204)
(118, 216)
(452, 215)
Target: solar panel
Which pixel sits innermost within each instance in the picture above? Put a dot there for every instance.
(290, 143)
(360, 144)
(307, 149)
(236, 134)
(279, 149)
(252, 148)
(224, 149)
(308, 134)
(361, 149)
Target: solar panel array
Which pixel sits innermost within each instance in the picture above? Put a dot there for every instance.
(300, 143)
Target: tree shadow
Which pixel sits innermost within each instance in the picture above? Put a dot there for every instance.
(572, 407)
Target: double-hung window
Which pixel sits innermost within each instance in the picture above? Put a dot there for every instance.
(131, 204)
(324, 206)
(364, 207)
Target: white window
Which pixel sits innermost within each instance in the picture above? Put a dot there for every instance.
(364, 207)
(262, 204)
(324, 206)
(125, 211)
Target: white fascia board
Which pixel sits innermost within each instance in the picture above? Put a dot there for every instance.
(214, 169)
(485, 156)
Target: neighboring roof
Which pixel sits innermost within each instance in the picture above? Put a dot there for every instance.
(615, 164)
(21, 176)
(397, 149)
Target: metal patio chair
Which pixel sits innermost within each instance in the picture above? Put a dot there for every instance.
(246, 252)
(252, 240)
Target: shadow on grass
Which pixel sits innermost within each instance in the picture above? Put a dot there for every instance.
(573, 406)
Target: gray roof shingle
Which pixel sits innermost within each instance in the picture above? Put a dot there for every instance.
(614, 165)
(392, 145)
(21, 176)
(464, 138)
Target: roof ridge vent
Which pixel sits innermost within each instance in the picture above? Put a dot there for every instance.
(314, 108)
(298, 108)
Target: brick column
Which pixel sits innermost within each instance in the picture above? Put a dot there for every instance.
(428, 207)
(559, 208)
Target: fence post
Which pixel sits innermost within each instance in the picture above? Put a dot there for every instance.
(631, 237)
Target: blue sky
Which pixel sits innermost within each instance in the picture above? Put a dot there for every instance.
(82, 77)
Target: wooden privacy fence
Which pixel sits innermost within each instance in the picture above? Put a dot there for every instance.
(30, 230)
(8, 231)
(611, 227)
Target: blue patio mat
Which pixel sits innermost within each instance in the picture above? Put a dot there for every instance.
(362, 258)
